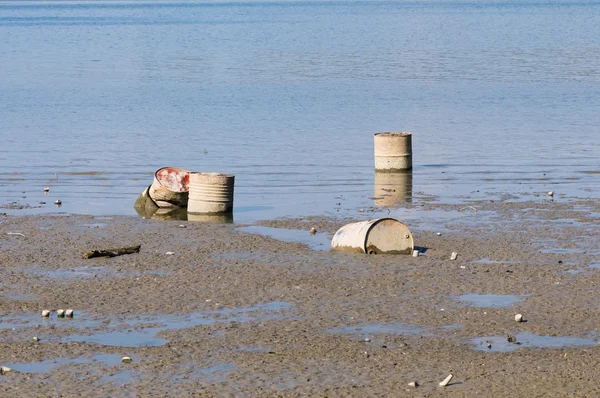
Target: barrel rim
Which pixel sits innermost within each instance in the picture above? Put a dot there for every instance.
(393, 134)
(211, 174)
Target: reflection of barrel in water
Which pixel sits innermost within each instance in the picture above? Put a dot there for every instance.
(224, 218)
(392, 188)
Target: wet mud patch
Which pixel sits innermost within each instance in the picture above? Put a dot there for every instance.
(318, 241)
(514, 342)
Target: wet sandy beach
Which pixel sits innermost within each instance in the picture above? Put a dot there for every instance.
(229, 312)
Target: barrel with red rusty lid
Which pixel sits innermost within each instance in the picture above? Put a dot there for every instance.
(380, 236)
(170, 187)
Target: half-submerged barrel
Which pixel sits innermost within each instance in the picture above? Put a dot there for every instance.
(211, 193)
(381, 236)
(170, 187)
(393, 151)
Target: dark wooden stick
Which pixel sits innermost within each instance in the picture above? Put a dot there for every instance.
(113, 252)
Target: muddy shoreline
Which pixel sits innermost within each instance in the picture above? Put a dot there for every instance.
(232, 313)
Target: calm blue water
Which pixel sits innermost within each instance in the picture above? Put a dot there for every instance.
(501, 96)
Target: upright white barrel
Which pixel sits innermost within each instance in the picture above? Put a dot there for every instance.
(381, 236)
(393, 151)
(210, 193)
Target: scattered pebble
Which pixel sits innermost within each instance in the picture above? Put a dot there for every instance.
(445, 382)
(4, 370)
(313, 231)
(413, 384)
(367, 339)
(454, 256)
(126, 359)
(439, 234)
(45, 313)
(69, 313)
(60, 313)
(182, 226)
(519, 318)
(35, 339)
(170, 253)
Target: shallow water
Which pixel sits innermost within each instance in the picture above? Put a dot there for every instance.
(47, 365)
(142, 330)
(318, 241)
(490, 300)
(501, 96)
(527, 339)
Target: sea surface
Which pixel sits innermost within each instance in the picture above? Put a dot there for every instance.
(502, 97)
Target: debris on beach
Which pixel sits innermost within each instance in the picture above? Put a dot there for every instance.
(313, 231)
(445, 382)
(60, 313)
(415, 253)
(35, 339)
(4, 370)
(46, 189)
(454, 256)
(69, 313)
(519, 318)
(413, 384)
(58, 202)
(45, 313)
(379, 236)
(126, 359)
(112, 252)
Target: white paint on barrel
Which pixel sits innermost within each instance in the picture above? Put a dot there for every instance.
(211, 193)
(170, 187)
(393, 151)
(380, 236)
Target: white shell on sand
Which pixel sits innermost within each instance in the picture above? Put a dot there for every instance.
(45, 313)
(445, 382)
(519, 318)
(126, 359)
(454, 256)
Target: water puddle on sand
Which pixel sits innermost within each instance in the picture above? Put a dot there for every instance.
(487, 261)
(318, 241)
(121, 378)
(528, 340)
(489, 300)
(140, 331)
(378, 328)
(47, 365)
(90, 272)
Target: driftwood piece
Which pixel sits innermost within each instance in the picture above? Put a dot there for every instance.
(113, 252)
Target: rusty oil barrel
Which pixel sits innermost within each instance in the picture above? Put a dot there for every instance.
(170, 187)
(380, 236)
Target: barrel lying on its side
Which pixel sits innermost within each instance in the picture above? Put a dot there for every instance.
(381, 236)
(170, 187)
